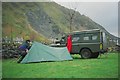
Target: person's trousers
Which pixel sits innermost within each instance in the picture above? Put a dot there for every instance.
(23, 54)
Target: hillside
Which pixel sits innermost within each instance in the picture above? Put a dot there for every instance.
(41, 20)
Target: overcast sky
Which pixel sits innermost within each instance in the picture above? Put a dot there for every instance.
(104, 13)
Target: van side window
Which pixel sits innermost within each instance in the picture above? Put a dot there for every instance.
(86, 38)
(75, 38)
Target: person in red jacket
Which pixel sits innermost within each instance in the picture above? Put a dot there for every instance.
(69, 43)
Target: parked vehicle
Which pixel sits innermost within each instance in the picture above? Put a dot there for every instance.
(88, 43)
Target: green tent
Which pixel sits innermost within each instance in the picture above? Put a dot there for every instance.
(39, 52)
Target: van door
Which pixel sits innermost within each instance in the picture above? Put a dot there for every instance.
(105, 42)
(75, 43)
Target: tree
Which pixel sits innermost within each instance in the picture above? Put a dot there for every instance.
(71, 16)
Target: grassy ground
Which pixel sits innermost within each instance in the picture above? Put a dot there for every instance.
(102, 67)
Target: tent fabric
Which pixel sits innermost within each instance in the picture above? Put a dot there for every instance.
(40, 52)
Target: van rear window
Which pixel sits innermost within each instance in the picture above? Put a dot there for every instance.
(94, 37)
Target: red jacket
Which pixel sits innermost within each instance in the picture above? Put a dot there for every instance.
(69, 43)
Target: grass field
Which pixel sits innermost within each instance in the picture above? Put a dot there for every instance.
(102, 67)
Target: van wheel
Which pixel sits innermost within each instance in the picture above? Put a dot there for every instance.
(86, 53)
(95, 55)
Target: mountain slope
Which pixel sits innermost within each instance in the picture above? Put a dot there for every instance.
(41, 21)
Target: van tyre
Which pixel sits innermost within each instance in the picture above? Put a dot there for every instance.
(86, 53)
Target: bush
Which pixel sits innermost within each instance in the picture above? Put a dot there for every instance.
(10, 50)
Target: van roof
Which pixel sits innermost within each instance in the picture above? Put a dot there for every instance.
(84, 31)
(87, 30)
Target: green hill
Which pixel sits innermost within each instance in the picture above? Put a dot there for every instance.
(41, 20)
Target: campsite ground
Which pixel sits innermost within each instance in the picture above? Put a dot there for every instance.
(102, 67)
